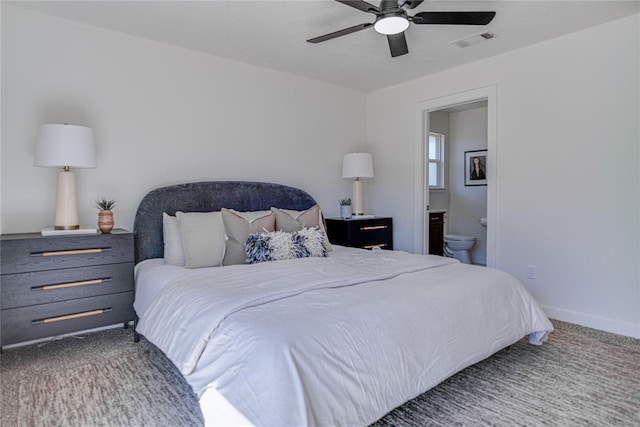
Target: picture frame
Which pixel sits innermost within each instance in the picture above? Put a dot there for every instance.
(475, 176)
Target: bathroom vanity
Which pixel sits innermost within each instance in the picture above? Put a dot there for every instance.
(436, 232)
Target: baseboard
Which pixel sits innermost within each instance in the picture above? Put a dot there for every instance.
(595, 322)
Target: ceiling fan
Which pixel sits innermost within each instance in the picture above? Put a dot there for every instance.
(392, 19)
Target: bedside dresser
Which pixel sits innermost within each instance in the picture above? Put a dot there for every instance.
(361, 233)
(59, 284)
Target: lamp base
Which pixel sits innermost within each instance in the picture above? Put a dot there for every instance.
(66, 202)
(357, 206)
(66, 227)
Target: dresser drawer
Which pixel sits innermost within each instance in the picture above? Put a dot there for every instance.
(20, 255)
(41, 287)
(46, 320)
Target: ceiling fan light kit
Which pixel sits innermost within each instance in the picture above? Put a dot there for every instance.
(391, 24)
(392, 20)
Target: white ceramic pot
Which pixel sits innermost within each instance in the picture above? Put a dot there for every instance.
(345, 212)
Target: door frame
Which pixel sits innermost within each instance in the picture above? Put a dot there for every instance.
(421, 186)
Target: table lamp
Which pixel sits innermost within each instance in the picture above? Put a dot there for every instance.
(65, 146)
(357, 166)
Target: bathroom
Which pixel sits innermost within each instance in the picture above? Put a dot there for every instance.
(457, 192)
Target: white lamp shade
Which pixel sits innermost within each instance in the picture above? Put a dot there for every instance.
(61, 145)
(357, 165)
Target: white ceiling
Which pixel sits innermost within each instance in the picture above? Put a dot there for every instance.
(273, 34)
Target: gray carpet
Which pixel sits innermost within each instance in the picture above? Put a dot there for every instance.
(581, 377)
(104, 379)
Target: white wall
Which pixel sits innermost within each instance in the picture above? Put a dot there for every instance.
(568, 188)
(468, 132)
(161, 115)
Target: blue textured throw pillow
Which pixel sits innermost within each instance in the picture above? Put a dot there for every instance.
(279, 245)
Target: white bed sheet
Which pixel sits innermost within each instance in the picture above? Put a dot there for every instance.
(333, 354)
(151, 276)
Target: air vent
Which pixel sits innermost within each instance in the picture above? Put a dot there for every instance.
(473, 40)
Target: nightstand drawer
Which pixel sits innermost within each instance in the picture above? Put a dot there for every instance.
(367, 238)
(20, 255)
(46, 320)
(361, 233)
(24, 289)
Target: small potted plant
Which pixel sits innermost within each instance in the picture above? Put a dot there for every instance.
(345, 208)
(105, 217)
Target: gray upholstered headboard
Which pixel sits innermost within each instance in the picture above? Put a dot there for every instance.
(206, 197)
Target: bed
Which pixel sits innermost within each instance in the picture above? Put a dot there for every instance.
(321, 340)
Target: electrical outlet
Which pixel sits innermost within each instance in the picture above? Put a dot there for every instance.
(531, 272)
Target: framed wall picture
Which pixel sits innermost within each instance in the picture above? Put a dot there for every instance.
(475, 167)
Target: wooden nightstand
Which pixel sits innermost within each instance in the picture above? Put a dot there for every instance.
(55, 285)
(361, 233)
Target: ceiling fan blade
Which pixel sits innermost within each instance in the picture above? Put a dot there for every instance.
(360, 5)
(407, 4)
(339, 33)
(397, 44)
(453, 18)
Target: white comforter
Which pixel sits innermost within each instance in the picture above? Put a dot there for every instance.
(334, 341)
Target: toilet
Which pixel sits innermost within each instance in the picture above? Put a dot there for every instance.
(457, 246)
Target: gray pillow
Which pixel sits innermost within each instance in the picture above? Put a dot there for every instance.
(289, 220)
(238, 226)
(203, 238)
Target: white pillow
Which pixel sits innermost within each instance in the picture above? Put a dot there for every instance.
(203, 238)
(173, 247)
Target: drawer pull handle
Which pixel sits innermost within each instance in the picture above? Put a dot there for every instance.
(373, 227)
(72, 252)
(379, 245)
(70, 284)
(71, 316)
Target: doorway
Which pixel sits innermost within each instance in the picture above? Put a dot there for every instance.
(422, 205)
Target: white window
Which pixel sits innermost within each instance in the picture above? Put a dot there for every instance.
(436, 160)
